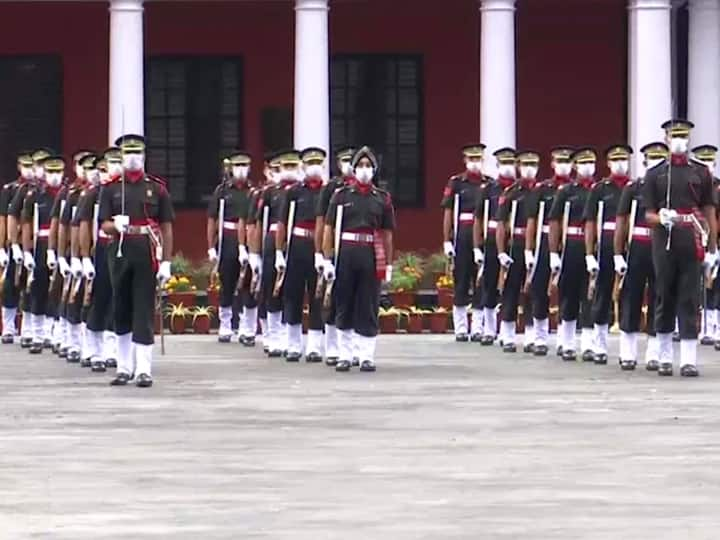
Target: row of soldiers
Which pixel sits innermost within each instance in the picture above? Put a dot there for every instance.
(598, 244)
(297, 239)
(80, 257)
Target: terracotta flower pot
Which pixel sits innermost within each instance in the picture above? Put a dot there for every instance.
(177, 325)
(388, 325)
(415, 323)
(402, 299)
(445, 298)
(213, 298)
(438, 323)
(201, 325)
(187, 299)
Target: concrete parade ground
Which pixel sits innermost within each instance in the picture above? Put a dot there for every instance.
(444, 441)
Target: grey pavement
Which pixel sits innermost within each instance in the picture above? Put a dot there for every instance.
(445, 441)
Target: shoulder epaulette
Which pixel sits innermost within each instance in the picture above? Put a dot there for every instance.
(460, 177)
(156, 179)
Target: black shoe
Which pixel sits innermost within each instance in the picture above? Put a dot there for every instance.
(143, 381)
(487, 340)
(355, 362)
(665, 369)
(284, 354)
(509, 348)
(111, 363)
(247, 341)
(559, 351)
(588, 356)
(540, 350)
(73, 357)
(628, 365)
(63, 352)
(529, 348)
(25, 342)
(275, 353)
(293, 357)
(8, 339)
(98, 366)
(86, 362)
(367, 366)
(313, 358)
(476, 338)
(707, 340)
(676, 336)
(331, 361)
(717, 345)
(601, 359)
(569, 355)
(121, 379)
(224, 339)
(35, 348)
(461, 338)
(652, 365)
(266, 349)
(689, 371)
(47, 344)
(56, 348)
(343, 366)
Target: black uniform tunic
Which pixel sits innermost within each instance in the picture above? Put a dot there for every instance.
(488, 197)
(677, 270)
(15, 296)
(272, 198)
(71, 195)
(367, 210)
(133, 275)
(11, 293)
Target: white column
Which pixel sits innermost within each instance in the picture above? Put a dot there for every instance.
(632, 81)
(312, 71)
(651, 81)
(704, 71)
(497, 76)
(127, 108)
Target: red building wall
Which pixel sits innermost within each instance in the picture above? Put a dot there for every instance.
(571, 72)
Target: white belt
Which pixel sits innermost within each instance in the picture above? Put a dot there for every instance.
(358, 237)
(43, 233)
(273, 227)
(642, 232)
(466, 217)
(230, 225)
(546, 229)
(575, 230)
(608, 226)
(492, 224)
(103, 234)
(138, 229)
(304, 233)
(519, 230)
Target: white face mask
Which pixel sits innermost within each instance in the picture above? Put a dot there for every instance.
(474, 166)
(528, 171)
(93, 176)
(314, 171)
(38, 172)
(114, 169)
(506, 170)
(79, 172)
(364, 174)
(240, 172)
(345, 168)
(585, 170)
(53, 179)
(27, 173)
(679, 145)
(650, 163)
(134, 162)
(290, 175)
(562, 169)
(104, 177)
(275, 176)
(619, 168)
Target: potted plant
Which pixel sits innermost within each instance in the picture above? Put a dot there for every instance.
(178, 314)
(444, 286)
(439, 319)
(201, 319)
(415, 320)
(436, 266)
(388, 320)
(180, 290)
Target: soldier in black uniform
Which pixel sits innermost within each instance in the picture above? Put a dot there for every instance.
(485, 252)
(634, 267)
(364, 259)
(11, 293)
(36, 215)
(602, 205)
(343, 157)
(232, 198)
(568, 258)
(459, 202)
(296, 243)
(139, 217)
(678, 193)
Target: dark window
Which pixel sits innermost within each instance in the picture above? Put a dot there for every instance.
(193, 118)
(377, 100)
(30, 107)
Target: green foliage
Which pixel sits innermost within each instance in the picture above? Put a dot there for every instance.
(180, 265)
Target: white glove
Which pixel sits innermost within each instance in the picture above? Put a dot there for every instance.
(591, 264)
(329, 270)
(163, 273)
(254, 261)
(529, 259)
(243, 256)
(88, 268)
(711, 260)
(667, 217)
(505, 260)
(478, 256)
(29, 261)
(64, 267)
(17, 253)
(280, 263)
(448, 249)
(76, 268)
(620, 265)
(388, 273)
(4, 259)
(121, 222)
(319, 262)
(212, 254)
(51, 259)
(555, 262)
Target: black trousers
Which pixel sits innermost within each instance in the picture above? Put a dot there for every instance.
(357, 290)
(465, 271)
(640, 274)
(514, 282)
(99, 315)
(300, 280)
(677, 278)
(11, 293)
(73, 309)
(489, 294)
(273, 304)
(38, 298)
(602, 299)
(229, 270)
(572, 288)
(540, 281)
(133, 285)
(712, 295)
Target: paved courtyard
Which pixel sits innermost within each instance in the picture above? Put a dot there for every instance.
(445, 441)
